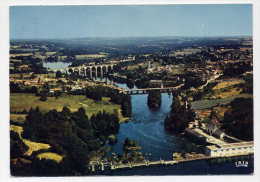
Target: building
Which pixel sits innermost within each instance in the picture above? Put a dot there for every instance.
(230, 149)
(149, 67)
(156, 83)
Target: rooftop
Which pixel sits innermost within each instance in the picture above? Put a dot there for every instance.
(231, 145)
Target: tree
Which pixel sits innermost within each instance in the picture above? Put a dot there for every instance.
(239, 120)
(179, 116)
(58, 74)
(154, 99)
(71, 134)
(15, 87)
(66, 111)
(17, 147)
(57, 94)
(34, 89)
(43, 97)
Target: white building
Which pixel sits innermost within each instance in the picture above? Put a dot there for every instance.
(231, 149)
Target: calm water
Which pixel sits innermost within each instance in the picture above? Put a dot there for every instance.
(55, 65)
(147, 128)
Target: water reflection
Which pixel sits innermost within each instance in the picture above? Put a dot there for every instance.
(147, 128)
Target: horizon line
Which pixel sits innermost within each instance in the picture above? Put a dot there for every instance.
(124, 37)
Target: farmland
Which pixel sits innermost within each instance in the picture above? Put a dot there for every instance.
(90, 56)
(20, 102)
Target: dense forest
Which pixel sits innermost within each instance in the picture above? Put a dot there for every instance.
(70, 134)
(180, 115)
(238, 121)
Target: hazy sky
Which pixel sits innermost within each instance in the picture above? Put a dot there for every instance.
(128, 21)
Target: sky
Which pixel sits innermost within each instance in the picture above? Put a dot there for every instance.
(59, 22)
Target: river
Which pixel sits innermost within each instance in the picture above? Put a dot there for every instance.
(147, 128)
(55, 65)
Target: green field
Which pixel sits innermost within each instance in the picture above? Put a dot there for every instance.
(21, 101)
(90, 56)
(206, 104)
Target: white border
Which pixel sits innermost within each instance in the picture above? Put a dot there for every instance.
(4, 81)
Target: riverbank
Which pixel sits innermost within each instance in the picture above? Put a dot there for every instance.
(124, 120)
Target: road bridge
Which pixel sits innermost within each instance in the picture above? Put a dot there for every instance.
(146, 90)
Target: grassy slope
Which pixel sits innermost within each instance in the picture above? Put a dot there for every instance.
(226, 89)
(222, 93)
(50, 156)
(204, 104)
(225, 84)
(19, 102)
(35, 146)
(18, 117)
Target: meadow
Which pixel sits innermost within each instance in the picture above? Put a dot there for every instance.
(22, 101)
(209, 103)
(90, 56)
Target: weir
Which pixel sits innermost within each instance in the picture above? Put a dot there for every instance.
(146, 163)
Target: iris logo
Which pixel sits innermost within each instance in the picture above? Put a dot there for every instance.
(241, 164)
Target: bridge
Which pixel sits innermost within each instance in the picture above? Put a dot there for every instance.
(146, 90)
(88, 70)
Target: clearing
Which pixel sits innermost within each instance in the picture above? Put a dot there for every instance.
(21, 101)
